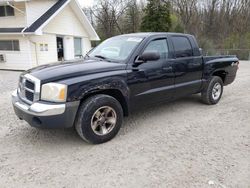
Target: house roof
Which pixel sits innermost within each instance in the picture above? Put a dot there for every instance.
(44, 19)
(11, 30)
(40, 21)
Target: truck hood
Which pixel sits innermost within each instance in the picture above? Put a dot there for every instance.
(60, 71)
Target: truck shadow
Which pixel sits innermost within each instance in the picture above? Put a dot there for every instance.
(194, 100)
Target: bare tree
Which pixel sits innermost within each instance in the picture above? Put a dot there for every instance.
(132, 17)
(187, 10)
(219, 23)
(108, 14)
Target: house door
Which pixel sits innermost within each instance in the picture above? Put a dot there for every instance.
(59, 42)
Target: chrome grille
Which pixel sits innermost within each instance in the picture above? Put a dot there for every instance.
(30, 85)
(29, 88)
(29, 95)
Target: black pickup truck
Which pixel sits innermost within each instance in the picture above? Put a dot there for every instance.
(122, 74)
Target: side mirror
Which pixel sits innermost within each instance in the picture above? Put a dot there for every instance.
(147, 56)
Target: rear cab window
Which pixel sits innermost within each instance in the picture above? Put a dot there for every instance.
(182, 47)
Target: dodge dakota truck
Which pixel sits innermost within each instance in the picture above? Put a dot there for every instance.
(121, 75)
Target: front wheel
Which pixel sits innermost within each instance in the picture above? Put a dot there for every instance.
(99, 119)
(212, 93)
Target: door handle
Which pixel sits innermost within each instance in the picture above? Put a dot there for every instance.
(168, 68)
(195, 64)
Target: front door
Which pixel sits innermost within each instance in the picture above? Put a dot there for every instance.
(150, 83)
(59, 43)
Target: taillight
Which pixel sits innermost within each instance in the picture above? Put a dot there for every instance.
(235, 64)
(238, 63)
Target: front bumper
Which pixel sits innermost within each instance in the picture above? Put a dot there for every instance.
(45, 114)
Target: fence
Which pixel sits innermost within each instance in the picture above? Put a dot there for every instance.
(242, 54)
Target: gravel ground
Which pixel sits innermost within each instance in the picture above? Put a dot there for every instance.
(179, 144)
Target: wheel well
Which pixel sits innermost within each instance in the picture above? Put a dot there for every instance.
(113, 93)
(221, 74)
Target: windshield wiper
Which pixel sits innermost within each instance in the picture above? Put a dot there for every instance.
(101, 57)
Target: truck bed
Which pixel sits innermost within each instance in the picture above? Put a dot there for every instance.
(226, 65)
(230, 58)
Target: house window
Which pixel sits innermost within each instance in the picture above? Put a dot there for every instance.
(41, 47)
(9, 45)
(78, 47)
(46, 47)
(6, 11)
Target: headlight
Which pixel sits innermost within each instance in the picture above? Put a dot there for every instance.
(54, 92)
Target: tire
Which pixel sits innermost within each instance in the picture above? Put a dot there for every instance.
(208, 94)
(99, 119)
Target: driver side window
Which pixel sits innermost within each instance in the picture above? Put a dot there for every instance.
(160, 46)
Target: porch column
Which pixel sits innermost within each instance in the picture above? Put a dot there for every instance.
(68, 48)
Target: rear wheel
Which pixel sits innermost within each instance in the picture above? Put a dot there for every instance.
(212, 93)
(99, 119)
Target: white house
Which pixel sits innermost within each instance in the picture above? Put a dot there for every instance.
(35, 32)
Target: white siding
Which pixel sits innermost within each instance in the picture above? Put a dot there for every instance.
(44, 57)
(37, 8)
(32, 11)
(66, 23)
(19, 20)
(18, 60)
(30, 54)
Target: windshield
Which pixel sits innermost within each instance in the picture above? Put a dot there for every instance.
(117, 48)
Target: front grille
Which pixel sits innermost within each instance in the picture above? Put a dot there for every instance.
(30, 85)
(26, 89)
(29, 95)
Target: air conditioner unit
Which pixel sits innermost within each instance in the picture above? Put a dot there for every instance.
(2, 58)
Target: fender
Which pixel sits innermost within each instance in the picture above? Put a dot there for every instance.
(81, 87)
(105, 84)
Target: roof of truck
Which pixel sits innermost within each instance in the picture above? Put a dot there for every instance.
(148, 34)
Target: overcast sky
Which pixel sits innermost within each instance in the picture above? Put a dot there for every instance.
(86, 3)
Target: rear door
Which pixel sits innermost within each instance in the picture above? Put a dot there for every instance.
(186, 66)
